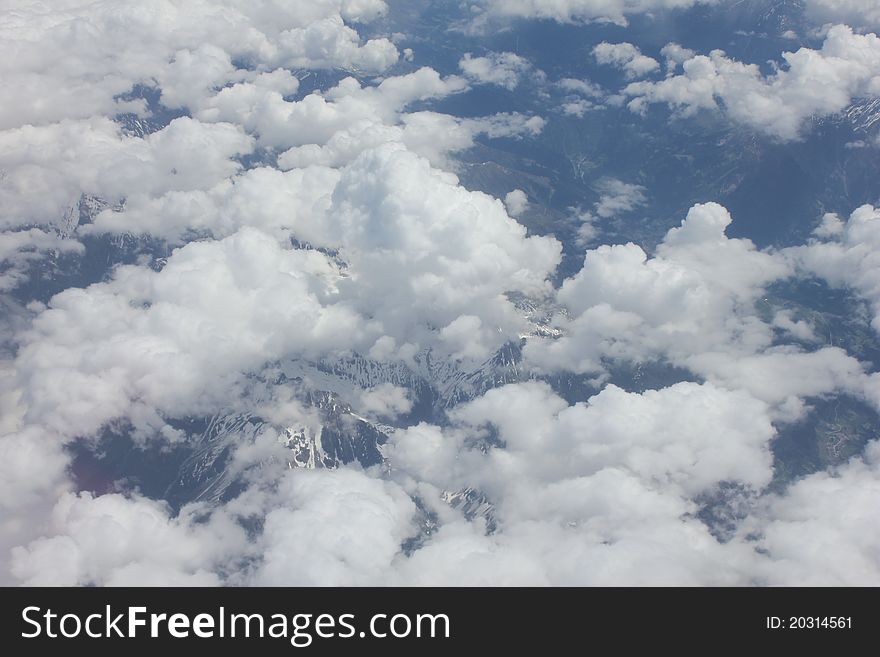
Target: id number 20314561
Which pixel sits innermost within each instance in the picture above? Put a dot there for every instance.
(809, 623)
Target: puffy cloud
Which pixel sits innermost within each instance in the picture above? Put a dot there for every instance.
(578, 490)
(600, 492)
(813, 83)
(779, 375)
(675, 55)
(317, 528)
(49, 167)
(392, 213)
(18, 249)
(348, 237)
(805, 530)
(333, 529)
(172, 340)
(614, 11)
(846, 255)
(76, 60)
(858, 13)
(111, 540)
(329, 43)
(279, 203)
(616, 197)
(504, 69)
(419, 251)
(516, 202)
(316, 118)
(582, 96)
(385, 400)
(797, 328)
(506, 124)
(692, 304)
(626, 57)
(294, 202)
(694, 296)
(577, 107)
(582, 87)
(430, 134)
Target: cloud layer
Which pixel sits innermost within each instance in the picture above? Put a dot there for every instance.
(812, 83)
(307, 223)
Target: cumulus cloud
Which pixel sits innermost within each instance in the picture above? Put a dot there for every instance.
(48, 168)
(613, 11)
(430, 134)
(460, 250)
(346, 526)
(385, 400)
(581, 87)
(675, 55)
(592, 493)
(858, 13)
(316, 118)
(599, 492)
(320, 228)
(695, 294)
(617, 197)
(812, 83)
(111, 540)
(846, 254)
(516, 202)
(177, 338)
(77, 60)
(18, 249)
(691, 304)
(819, 518)
(626, 57)
(166, 340)
(504, 69)
(581, 96)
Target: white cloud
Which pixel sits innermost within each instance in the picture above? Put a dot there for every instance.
(583, 96)
(594, 493)
(504, 69)
(49, 167)
(693, 304)
(626, 57)
(675, 55)
(577, 107)
(781, 374)
(459, 249)
(805, 530)
(172, 340)
(582, 87)
(360, 241)
(385, 400)
(614, 11)
(695, 295)
(516, 202)
(813, 83)
(117, 541)
(430, 134)
(346, 527)
(317, 117)
(846, 255)
(617, 197)
(74, 60)
(797, 328)
(419, 251)
(858, 13)
(20, 248)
